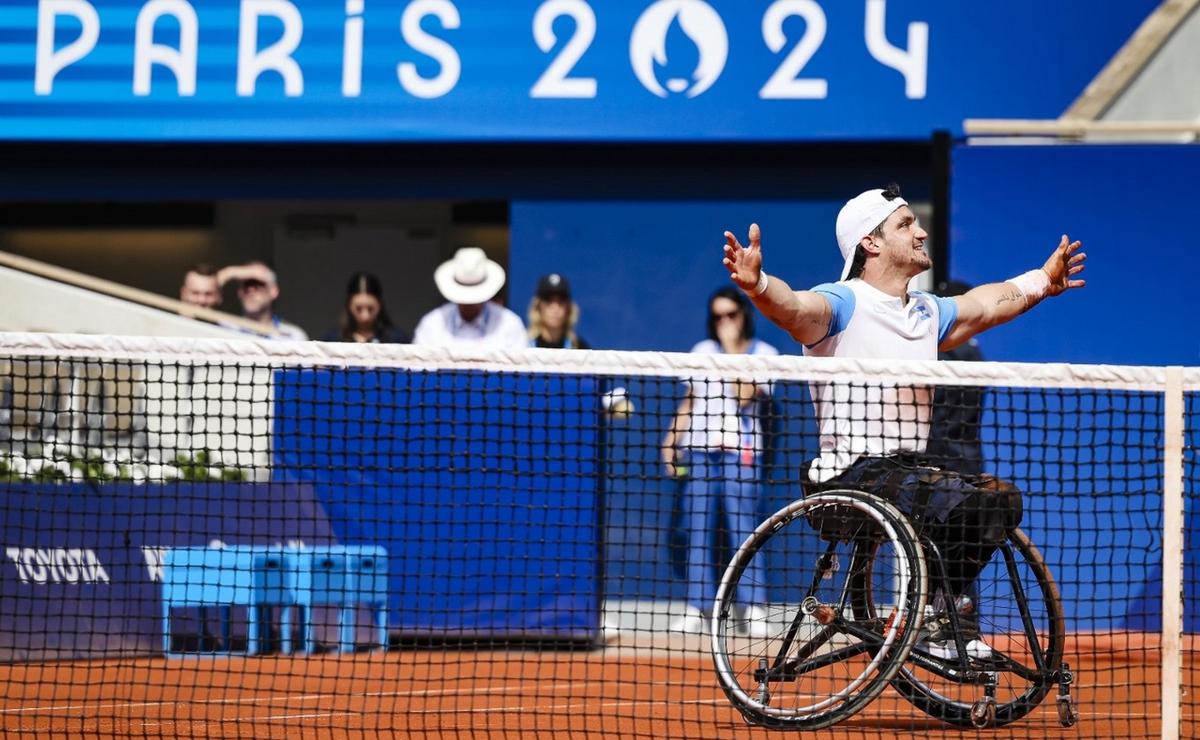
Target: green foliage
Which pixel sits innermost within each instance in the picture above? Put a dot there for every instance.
(201, 467)
(7, 473)
(91, 467)
(49, 474)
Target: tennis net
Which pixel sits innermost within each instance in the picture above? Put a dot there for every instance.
(244, 538)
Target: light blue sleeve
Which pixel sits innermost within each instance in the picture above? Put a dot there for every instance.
(841, 301)
(947, 314)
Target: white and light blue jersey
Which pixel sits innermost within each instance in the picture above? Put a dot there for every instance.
(875, 419)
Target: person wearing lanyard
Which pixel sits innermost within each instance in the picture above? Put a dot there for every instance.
(715, 441)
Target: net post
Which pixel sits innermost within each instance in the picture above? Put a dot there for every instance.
(1172, 591)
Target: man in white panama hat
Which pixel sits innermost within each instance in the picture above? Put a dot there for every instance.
(469, 282)
(874, 437)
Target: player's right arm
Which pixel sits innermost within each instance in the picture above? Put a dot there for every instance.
(803, 314)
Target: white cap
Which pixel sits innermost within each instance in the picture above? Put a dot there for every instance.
(470, 277)
(859, 217)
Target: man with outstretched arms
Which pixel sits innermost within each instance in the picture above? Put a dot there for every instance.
(873, 436)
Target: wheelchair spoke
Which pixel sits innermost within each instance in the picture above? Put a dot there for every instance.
(1035, 647)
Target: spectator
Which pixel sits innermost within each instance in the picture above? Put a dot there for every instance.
(553, 315)
(957, 410)
(469, 282)
(200, 287)
(716, 440)
(257, 289)
(365, 318)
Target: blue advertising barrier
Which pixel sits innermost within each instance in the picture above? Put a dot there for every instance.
(83, 563)
(483, 488)
(530, 70)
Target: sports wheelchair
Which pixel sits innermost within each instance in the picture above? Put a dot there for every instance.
(852, 584)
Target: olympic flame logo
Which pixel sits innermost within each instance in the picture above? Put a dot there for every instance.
(698, 22)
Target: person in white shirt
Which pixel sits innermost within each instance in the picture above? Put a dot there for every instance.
(716, 442)
(873, 437)
(469, 282)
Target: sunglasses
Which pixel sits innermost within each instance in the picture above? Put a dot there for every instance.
(727, 315)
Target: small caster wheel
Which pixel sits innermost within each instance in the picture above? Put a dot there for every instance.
(1067, 716)
(751, 720)
(764, 688)
(983, 714)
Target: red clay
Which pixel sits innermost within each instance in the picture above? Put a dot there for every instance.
(518, 693)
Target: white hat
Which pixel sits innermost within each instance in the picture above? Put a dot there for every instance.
(859, 217)
(469, 278)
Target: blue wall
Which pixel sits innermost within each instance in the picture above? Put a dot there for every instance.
(483, 488)
(1134, 209)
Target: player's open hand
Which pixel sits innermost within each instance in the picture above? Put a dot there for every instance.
(744, 263)
(1062, 267)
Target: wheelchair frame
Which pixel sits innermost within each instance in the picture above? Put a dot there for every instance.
(842, 625)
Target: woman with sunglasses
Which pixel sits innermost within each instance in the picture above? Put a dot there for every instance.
(715, 442)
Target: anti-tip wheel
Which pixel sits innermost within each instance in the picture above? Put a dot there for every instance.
(1067, 716)
(983, 713)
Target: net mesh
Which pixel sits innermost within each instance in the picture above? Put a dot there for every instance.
(205, 538)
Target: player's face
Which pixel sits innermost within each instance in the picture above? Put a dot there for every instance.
(200, 290)
(903, 243)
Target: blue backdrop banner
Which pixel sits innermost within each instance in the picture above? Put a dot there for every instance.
(528, 70)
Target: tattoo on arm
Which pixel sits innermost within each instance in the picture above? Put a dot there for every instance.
(1013, 296)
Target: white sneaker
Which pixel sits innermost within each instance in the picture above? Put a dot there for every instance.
(978, 649)
(938, 639)
(946, 649)
(610, 630)
(756, 622)
(692, 622)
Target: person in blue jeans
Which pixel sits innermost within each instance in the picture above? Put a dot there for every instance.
(716, 442)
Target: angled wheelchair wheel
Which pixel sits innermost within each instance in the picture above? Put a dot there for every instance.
(789, 650)
(1020, 616)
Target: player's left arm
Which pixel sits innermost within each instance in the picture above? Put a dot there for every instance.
(981, 308)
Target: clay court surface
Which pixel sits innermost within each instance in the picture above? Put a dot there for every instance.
(665, 690)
